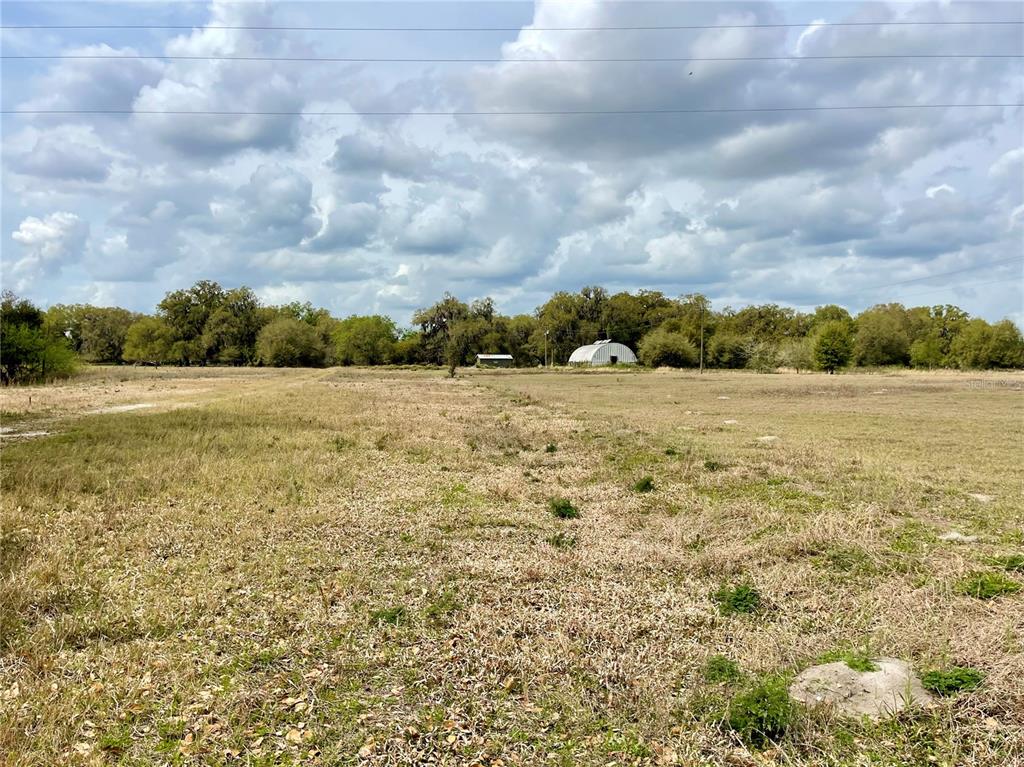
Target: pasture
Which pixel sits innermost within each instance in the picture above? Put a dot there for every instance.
(348, 567)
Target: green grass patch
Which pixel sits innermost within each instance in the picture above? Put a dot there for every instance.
(1013, 563)
(562, 540)
(952, 680)
(391, 616)
(719, 669)
(739, 599)
(551, 447)
(563, 508)
(858, 660)
(711, 464)
(987, 585)
(644, 484)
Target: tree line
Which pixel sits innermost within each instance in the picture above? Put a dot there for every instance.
(208, 325)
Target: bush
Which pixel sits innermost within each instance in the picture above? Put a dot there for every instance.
(727, 350)
(563, 508)
(763, 356)
(762, 712)
(664, 348)
(562, 540)
(983, 585)
(952, 680)
(741, 599)
(148, 340)
(288, 342)
(391, 616)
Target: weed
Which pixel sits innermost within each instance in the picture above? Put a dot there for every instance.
(952, 680)
(671, 451)
(858, 660)
(1013, 563)
(644, 484)
(984, 585)
(561, 540)
(563, 508)
(741, 599)
(117, 741)
(392, 616)
(551, 447)
(761, 712)
(721, 669)
(710, 464)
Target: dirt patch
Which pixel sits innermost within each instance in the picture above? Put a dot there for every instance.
(887, 690)
(120, 408)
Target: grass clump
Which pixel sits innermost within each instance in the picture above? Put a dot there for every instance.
(711, 464)
(391, 616)
(671, 451)
(985, 585)
(561, 540)
(644, 484)
(952, 680)
(563, 508)
(1013, 563)
(551, 447)
(741, 599)
(761, 712)
(858, 660)
(721, 669)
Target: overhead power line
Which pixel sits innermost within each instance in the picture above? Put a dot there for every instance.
(975, 267)
(359, 60)
(456, 113)
(630, 28)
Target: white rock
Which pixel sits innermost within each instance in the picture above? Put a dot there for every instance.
(982, 498)
(730, 422)
(957, 537)
(723, 397)
(767, 438)
(875, 694)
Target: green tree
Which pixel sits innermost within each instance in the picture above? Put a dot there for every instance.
(667, 347)
(30, 352)
(149, 340)
(832, 345)
(727, 350)
(883, 336)
(436, 323)
(970, 348)
(1006, 348)
(288, 342)
(186, 313)
(926, 352)
(229, 335)
(365, 340)
(96, 333)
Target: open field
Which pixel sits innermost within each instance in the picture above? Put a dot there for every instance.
(342, 566)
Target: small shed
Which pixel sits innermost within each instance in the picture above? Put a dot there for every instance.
(494, 360)
(605, 352)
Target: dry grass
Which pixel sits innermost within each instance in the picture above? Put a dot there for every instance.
(361, 567)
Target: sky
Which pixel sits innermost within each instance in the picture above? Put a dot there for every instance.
(366, 213)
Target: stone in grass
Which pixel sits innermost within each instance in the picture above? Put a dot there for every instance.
(767, 438)
(981, 497)
(953, 536)
(887, 690)
(730, 422)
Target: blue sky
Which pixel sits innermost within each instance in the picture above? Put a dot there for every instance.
(382, 214)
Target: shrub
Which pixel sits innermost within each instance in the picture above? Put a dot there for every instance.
(664, 348)
(983, 585)
(721, 669)
(741, 599)
(563, 508)
(952, 680)
(644, 485)
(727, 350)
(29, 351)
(761, 712)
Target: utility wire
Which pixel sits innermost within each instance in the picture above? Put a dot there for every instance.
(351, 60)
(523, 113)
(638, 28)
(998, 262)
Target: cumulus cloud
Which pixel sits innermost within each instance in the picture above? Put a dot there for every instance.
(48, 244)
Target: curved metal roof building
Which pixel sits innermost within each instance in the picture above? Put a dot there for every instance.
(603, 353)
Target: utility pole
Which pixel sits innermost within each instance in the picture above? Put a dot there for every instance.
(701, 336)
(546, 332)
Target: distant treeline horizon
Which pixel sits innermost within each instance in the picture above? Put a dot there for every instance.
(209, 325)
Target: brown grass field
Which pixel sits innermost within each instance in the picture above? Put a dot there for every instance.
(360, 567)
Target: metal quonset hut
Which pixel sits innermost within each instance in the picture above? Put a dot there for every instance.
(603, 353)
